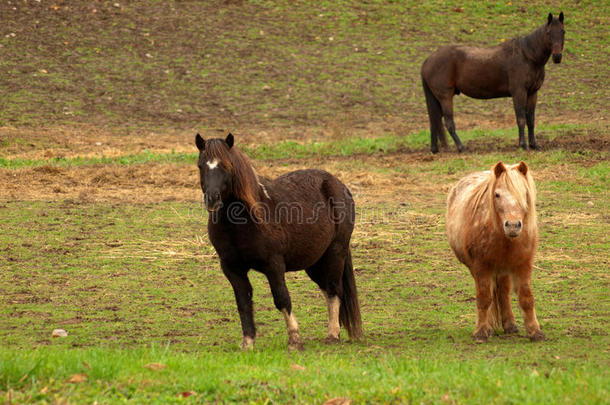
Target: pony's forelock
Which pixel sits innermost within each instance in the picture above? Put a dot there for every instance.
(520, 186)
(245, 179)
(522, 189)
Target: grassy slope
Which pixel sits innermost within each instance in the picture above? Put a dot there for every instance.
(237, 64)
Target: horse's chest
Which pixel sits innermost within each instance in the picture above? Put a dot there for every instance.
(535, 80)
(241, 245)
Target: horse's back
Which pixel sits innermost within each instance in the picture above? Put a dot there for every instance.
(477, 72)
(310, 185)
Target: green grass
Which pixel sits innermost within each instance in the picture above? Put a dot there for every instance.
(276, 376)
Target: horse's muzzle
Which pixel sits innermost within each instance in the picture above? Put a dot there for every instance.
(213, 202)
(512, 229)
(557, 58)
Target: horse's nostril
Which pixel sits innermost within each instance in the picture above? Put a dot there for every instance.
(518, 224)
(506, 224)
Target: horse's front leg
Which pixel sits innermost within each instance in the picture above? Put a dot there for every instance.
(243, 296)
(503, 285)
(281, 298)
(482, 279)
(519, 102)
(530, 114)
(523, 288)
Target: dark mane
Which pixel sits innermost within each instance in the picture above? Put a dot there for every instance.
(533, 46)
(246, 186)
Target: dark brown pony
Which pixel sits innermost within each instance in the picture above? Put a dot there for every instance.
(492, 229)
(514, 69)
(301, 220)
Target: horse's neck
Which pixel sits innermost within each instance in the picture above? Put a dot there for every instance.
(535, 48)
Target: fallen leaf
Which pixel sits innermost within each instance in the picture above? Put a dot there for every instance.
(187, 394)
(155, 366)
(77, 378)
(338, 401)
(44, 390)
(297, 367)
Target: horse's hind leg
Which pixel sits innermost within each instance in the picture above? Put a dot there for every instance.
(447, 106)
(503, 285)
(327, 273)
(281, 298)
(333, 303)
(530, 114)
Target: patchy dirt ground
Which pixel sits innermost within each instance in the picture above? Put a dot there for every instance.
(372, 178)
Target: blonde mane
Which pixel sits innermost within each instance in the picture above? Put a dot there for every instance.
(520, 186)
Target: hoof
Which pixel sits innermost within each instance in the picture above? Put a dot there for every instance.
(462, 148)
(534, 147)
(434, 150)
(294, 342)
(524, 146)
(296, 346)
(247, 343)
(332, 340)
(537, 336)
(511, 329)
(480, 336)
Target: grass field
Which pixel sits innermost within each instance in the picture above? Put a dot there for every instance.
(103, 233)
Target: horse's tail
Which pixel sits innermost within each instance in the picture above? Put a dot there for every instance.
(349, 311)
(493, 313)
(435, 114)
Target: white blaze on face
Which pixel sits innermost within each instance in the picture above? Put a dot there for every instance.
(212, 164)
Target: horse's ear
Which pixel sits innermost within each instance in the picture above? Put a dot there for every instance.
(561, 17)
(522, 168)
(200, 143)
(550, 20)
(230, 140)
(499, 168)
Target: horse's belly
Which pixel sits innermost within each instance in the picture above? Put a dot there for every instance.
(482, 80)
(307, 247)
(483, 88)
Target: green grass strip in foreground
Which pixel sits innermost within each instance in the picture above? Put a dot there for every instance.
(290, 149)
(113, 375)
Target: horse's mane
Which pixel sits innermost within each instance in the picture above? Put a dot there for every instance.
(246, 184)
(532, 45)
(521, 187)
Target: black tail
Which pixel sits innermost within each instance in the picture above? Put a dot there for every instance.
(349, 311)
(435, 114)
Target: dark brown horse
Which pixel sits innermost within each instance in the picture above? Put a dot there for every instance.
(301, 220)
(514, 69)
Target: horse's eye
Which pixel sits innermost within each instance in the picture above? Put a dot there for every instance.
(497, 195)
